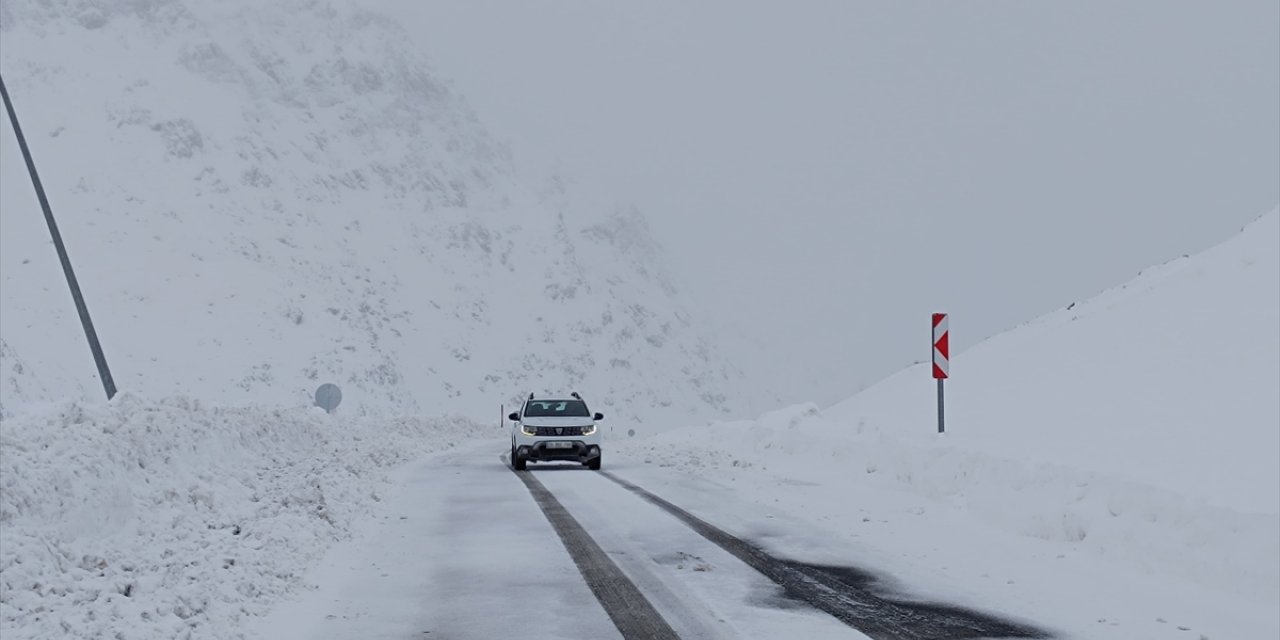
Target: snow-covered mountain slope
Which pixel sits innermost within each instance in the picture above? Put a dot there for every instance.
(1170, 380)
(1116, 462)
(259, 198)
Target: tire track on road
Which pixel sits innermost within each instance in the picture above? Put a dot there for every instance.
(848, 594)
(630, 611)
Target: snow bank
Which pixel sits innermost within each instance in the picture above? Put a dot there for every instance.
(176, 519)
(1140, 427)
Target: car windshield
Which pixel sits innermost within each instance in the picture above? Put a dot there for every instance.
(557, 408)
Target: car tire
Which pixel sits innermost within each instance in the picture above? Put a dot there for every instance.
(594, 464)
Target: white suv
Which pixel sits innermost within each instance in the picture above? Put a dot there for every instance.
(549, 429)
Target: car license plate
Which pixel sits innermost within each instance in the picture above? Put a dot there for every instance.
(559, 445)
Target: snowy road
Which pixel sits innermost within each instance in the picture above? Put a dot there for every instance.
(460, 552)
(463, 550)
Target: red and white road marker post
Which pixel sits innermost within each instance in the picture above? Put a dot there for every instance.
(941, 360)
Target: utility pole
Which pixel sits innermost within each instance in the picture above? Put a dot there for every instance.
(104, 373)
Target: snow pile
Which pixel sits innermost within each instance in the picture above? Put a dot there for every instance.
(1140, 428)
(177, 519)
(263, 197)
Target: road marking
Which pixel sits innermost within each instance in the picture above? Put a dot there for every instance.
(630, 611)
(847, 594)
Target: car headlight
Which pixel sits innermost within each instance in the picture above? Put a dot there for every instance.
(588, 430)
(528, 430)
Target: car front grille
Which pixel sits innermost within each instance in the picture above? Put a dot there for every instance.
(559, 431)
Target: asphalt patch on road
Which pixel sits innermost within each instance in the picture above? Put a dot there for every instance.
(853, 596)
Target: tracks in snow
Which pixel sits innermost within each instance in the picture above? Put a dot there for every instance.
(849, 595)
(630, 611)
(457, 551)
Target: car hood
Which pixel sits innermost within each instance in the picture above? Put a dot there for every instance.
(557, 421)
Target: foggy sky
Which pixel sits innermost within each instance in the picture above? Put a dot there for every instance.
(824, 174)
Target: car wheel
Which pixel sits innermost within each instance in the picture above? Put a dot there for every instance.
(518, 464)
(594, 464)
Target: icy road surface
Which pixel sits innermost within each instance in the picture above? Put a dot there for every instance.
(463, 550)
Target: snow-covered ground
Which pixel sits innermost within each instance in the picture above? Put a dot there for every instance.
(177, 519)
(1111, 469)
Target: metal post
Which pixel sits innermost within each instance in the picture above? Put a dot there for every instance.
(108, 384)
(941, 423)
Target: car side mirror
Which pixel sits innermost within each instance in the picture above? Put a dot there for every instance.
(598, 416)
(513, 416)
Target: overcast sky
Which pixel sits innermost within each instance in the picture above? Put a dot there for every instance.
(824, 174)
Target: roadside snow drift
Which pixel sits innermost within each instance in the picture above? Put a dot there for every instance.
(1140, 429)
(176, 519)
